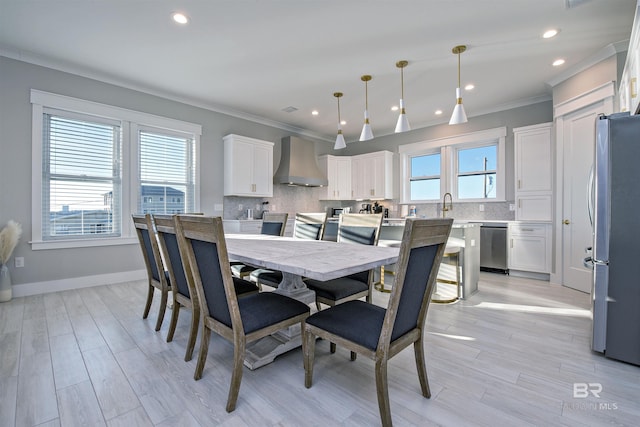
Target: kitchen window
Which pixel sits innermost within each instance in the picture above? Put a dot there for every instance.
(470, 166)
(94, 165)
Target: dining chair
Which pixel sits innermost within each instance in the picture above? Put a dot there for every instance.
(184, 294)
(307, 226)
(358, 229)
(157, 276)
(380, 333)
(273, 224)
(239, 320)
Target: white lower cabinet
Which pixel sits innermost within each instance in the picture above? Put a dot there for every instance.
(530, 247)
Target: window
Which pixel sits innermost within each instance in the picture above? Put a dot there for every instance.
(476, 174)
(471, 167)
(80, 176)
(167, 171)
(94, 165)
(425, 177)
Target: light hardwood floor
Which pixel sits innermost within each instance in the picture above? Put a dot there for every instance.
(507, 356)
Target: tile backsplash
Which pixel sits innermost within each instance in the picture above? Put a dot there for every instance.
(292, 199)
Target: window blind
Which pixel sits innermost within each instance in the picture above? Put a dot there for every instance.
(81, 194)
(167, 172)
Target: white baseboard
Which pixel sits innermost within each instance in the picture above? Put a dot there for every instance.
(36, 288)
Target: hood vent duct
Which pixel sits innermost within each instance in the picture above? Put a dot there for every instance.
(298, 164)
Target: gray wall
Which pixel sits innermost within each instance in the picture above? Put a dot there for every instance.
(18, 78)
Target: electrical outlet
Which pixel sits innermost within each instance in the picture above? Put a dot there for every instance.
(512, 207)
(19, 261)
(218, 207)
(240, 207)
(481, 208)
(273, 208)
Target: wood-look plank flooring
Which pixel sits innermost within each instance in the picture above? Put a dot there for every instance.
(507, 356)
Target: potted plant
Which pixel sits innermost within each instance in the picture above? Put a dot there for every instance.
(9, 237)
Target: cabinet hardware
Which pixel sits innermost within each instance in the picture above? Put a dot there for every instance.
(511, 243)
(566, 222)
(518, 184)
(526, 229)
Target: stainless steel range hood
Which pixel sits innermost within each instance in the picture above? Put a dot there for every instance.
(298, 164)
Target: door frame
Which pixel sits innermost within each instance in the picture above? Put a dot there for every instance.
(604, 93)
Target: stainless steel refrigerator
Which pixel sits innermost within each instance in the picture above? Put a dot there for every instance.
(615, 195)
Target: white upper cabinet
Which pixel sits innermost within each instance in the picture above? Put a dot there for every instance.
(533, 172)
(372, 175)
(248, 167)
(338, 171)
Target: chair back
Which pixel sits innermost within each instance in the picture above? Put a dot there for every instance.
(179, 270)
(423, 244)
(274, 223)
(145, 230)
(309, 226)
(363, 229)
(202, 243)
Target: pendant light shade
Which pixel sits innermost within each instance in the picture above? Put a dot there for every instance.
(403, 123)
(340, 142)
(459, 115)
(366, 134)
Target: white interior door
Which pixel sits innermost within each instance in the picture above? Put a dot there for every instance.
(578, 151)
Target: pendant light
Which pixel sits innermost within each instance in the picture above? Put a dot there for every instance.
(458, 116)
(340, 143)
(366, 134)
(403, 122)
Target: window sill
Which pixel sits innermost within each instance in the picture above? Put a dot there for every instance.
(82, 243)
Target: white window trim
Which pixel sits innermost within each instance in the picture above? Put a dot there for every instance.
(39, 101)
(448, 146)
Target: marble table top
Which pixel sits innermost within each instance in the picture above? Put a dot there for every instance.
(316, 259)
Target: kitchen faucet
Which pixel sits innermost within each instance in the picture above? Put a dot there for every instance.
(444, 204)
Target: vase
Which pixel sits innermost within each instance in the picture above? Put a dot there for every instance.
(5, 284)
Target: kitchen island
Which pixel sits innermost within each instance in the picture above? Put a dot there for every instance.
(464, 235)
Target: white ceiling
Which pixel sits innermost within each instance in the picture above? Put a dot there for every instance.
(256, 57)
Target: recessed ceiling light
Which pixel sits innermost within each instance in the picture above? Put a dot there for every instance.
(550, 33)
(394, 108)
(438, 112)
(558, 62)
(470, 86)
(343, 122)
(315, 113)
(180, 18)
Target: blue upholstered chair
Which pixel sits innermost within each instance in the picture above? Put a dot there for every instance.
(239, 320)
(273, 224)
(184, 293)
(363, 229)
(380, 333)
(307, 226)
(157, 277)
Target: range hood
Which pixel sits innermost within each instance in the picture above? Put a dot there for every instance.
(298, 164)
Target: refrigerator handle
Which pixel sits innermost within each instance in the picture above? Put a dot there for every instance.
(590, 195)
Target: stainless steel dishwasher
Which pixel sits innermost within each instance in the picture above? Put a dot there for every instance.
(493, 247)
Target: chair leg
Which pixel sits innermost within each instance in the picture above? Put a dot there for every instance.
(317, 306)
(175, 312)
(354, 355)
(236, 376)
(193, 333)
(309, 351)
(163, 308)
(202, 355)
(382, 389)
(147, 306)
(332, 347)
(422, 368)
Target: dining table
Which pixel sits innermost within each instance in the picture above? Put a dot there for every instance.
(298, 259)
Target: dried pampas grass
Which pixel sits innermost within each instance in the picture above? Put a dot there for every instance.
(9, 237)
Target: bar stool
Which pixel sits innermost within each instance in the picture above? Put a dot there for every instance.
(452, 255)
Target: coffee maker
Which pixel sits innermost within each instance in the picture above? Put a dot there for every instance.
(366, 208)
